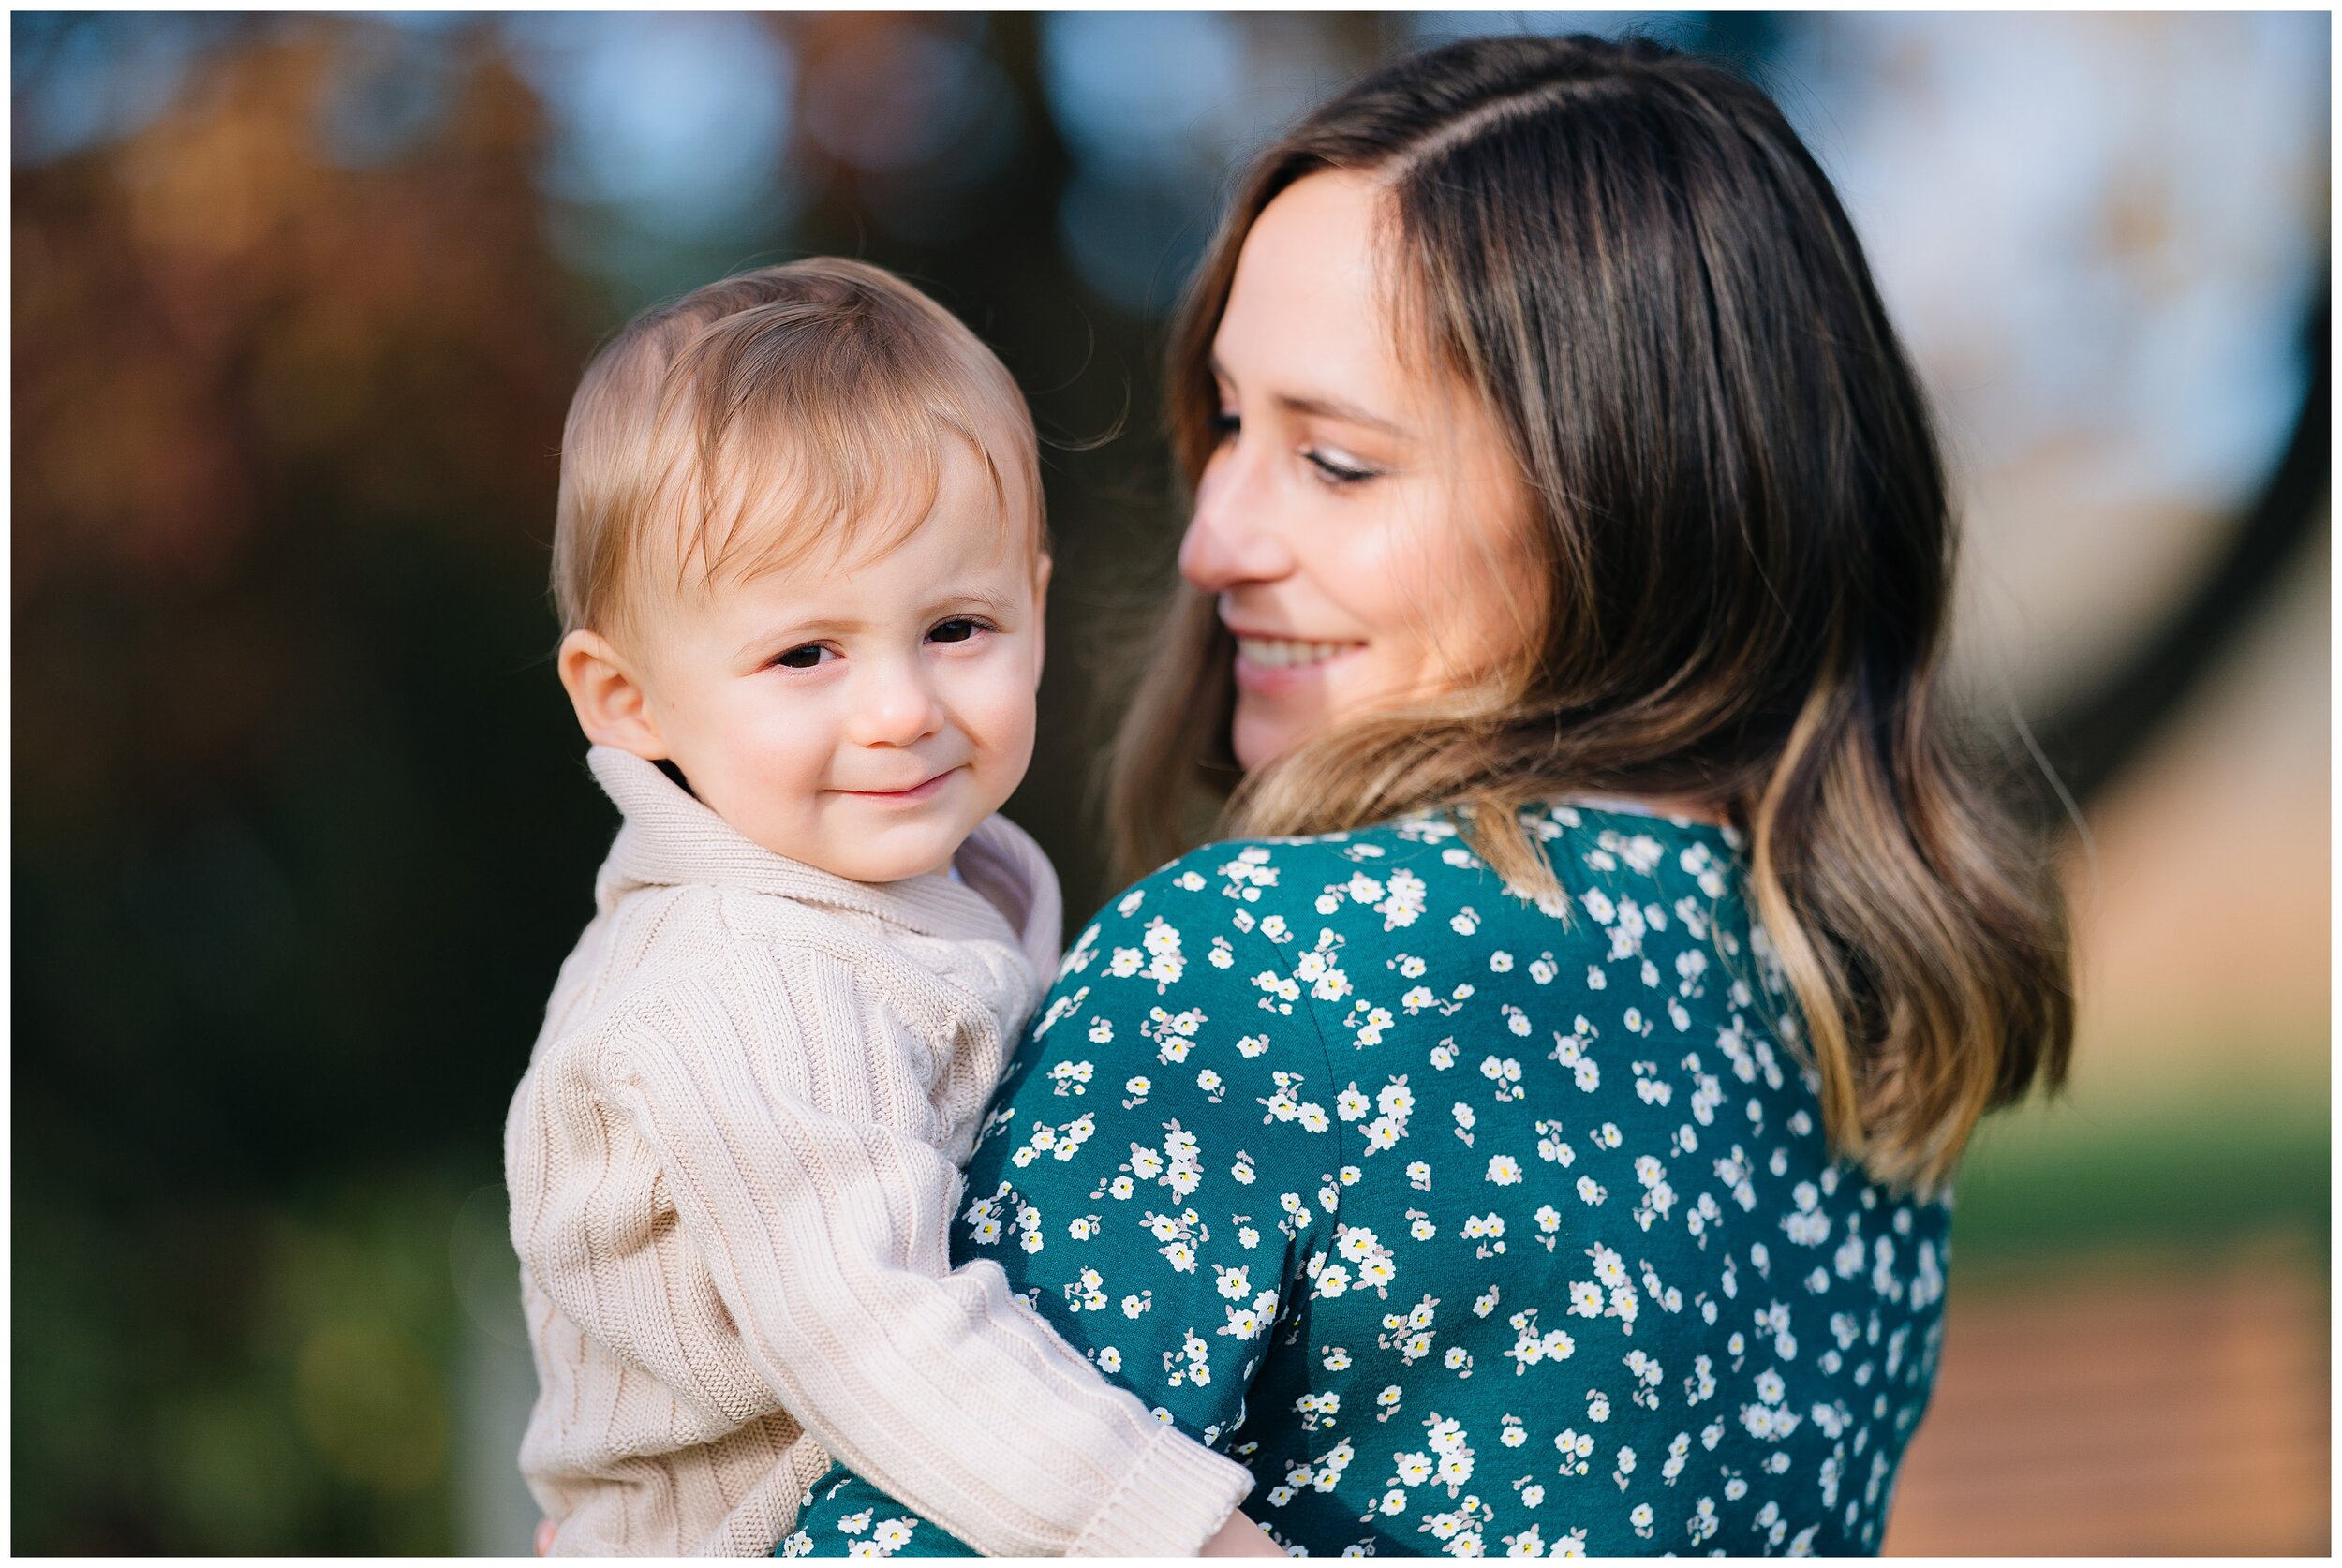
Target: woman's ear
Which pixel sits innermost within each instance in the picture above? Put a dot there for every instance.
(610, 705)
(1041, 615)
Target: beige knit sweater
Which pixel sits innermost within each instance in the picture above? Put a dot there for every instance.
(733, 1164)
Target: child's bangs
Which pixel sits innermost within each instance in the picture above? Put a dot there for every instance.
(834, 469)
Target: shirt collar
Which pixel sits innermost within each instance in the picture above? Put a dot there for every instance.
(671, 838)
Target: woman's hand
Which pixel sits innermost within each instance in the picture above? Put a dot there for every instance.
(544, 1535)
(1241, 1537)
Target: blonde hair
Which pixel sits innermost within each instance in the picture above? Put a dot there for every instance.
(767, 415)
(1733, 487)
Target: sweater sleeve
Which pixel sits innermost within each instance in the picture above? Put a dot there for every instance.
(826, 1235)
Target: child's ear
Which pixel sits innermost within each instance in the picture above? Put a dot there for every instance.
(1041, 615)
(612, 707)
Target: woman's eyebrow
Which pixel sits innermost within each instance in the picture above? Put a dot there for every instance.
(1320, 406)
(1334, 408)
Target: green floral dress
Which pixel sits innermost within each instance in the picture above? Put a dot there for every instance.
(1472, 1222)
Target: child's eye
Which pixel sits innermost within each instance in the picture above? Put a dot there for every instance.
(806, 657)
(959, 629)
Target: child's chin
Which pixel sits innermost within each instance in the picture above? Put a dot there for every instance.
(903, 855)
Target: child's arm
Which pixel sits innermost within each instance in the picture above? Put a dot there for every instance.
(1241, 1537)
(828, 1240)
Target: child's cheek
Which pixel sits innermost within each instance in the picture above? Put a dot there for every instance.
(1001, 713)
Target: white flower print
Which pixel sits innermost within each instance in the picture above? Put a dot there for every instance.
(1662, 958)
(1283, 993)
(1367, 1023)
(1504, 1071)
(1532, 1345)
(1405, 901)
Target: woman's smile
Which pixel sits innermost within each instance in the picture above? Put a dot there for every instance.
(1268, 664)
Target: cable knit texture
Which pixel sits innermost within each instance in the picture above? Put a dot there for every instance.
(734, 1162)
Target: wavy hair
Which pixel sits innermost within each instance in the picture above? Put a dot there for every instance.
(1734, 487)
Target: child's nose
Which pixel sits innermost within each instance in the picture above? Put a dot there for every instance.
(897, 708)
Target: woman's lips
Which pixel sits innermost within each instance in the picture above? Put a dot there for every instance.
(911, 796)
(1269, 664)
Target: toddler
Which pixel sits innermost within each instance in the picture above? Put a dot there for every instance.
(799, 561)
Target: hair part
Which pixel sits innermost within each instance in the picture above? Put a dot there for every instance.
(1626, 253)
(769, 416)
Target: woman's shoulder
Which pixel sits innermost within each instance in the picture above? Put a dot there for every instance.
(1394, 876)
(1257, 894)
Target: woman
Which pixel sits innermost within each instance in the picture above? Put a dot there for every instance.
(1528, 1128)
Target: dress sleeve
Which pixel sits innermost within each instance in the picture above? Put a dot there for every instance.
(824, 1235)
(1160, 1168)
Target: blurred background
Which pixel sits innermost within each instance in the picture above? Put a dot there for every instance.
(302, 830)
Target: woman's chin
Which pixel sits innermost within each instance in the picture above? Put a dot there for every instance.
(1259, 738)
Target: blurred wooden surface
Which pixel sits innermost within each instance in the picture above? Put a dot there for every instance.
(2127, 1407)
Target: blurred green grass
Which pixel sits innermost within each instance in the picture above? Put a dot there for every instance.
(2190, 1165)
(237, 1375)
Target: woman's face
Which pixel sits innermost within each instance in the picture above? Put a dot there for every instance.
(1360, 521)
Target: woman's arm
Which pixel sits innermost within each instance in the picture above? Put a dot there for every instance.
(1157, 1174)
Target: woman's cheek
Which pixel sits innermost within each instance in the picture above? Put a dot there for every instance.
(1464, 582)
(1402, 589)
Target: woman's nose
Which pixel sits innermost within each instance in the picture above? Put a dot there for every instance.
(895, 704)
(1233, 536)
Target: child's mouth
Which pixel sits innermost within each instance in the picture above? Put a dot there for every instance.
(904, 797)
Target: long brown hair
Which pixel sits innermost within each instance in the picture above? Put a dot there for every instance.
(1734, 485)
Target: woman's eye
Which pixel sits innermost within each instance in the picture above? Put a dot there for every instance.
(1224, 423)
(1337, 470)
(958, 630)
(806, 657)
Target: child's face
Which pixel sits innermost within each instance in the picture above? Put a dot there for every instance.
(865, 717)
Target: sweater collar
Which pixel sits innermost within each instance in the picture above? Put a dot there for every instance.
(670, 838)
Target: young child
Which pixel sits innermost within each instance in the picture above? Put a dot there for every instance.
(799, 560)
